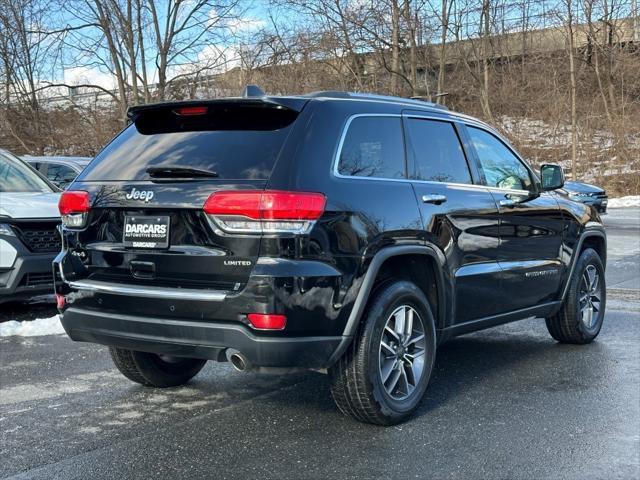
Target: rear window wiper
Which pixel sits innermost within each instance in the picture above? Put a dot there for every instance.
(179, 172)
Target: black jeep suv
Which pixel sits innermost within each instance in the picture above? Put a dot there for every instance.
(337, 232)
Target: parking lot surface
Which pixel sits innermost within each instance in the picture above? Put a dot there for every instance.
(508, 402)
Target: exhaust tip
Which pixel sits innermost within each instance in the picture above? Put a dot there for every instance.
(238, 360)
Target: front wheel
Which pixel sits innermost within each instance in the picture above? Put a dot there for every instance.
(153, 370)
(384, 373)
(580, 318)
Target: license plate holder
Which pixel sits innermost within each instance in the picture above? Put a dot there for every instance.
(146, 231)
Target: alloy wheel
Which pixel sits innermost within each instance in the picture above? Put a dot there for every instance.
(402, 349)
(590, 296)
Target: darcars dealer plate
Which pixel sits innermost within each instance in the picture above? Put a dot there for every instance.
(146, 232)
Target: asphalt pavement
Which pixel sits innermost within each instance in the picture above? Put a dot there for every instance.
(623, 247)
(503, 403)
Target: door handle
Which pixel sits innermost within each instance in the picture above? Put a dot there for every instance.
(434, 198)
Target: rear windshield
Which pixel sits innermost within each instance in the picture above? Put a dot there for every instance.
(234, 141)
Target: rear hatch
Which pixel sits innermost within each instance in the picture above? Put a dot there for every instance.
(147, 189)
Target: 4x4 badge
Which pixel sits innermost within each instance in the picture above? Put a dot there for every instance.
(145, 195)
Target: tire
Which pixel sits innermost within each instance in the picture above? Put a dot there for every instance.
(152, 370)
(357, 384)
(572, 323)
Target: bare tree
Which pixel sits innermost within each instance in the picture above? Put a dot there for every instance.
(182, 39)
(26, 55)
(338, 28)
(185, 30)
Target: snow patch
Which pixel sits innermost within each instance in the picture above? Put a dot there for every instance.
(548, 142)
(625, 202)
(32, 328)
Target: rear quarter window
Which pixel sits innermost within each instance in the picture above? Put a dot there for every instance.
(373, 147)
(236, 142)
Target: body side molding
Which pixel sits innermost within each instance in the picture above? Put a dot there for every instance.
(495, 320)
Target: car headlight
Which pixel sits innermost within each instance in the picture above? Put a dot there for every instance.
(580, 196)
(6, 230)
(8, 254)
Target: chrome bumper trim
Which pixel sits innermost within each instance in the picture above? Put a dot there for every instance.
(149, 292)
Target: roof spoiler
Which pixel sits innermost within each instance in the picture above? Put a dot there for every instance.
(291, 103)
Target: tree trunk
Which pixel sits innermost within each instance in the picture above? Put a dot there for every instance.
(141, 46)
(442, 64)
(354, 61)
(594, 57)
(525, 26)
(413, 59)
(486, 52)
(608, 14)
(572, 75)
(130, 45)
(106, 27)
(395, 46)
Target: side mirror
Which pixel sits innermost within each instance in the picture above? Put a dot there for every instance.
(552, 177)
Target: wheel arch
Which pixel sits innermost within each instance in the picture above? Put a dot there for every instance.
(598, 242)
(386, 261)
(594, 238)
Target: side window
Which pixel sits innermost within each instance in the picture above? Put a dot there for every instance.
(436, 151)
(373, 147)
(501, 168)
(60, 174)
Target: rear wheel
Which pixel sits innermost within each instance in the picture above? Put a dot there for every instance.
(384, 373)
(153, 370)
(580, 318)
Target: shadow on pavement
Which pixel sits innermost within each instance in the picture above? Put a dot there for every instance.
(519, 362)
(39, 307)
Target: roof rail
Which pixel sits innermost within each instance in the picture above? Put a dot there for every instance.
(373, 96)
(252, 91)
(431, 103)
(328, 94)
(428, 99)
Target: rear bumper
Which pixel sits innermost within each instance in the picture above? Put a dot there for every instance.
(199, 339)
(203, 323)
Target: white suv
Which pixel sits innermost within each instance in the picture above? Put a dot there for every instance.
(29, 237)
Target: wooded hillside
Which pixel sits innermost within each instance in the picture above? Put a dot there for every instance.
(560, 77)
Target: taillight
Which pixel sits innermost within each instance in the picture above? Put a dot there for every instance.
(268, 211)
(74, 207)
(267, 321)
